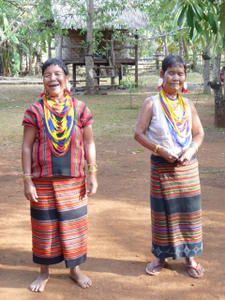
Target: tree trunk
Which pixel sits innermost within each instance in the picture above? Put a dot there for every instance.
(30, 60)
(90, 74)
(89, 62)
(58, 47)
(49, 47)
(218, 94)
(38, 61)
(165, 44)
(216, 67)
(185, 47)
(26, 65)
(219, 108)
(181, 49)
(1, 64)
(21, 61)
(6, 60)
(206, 69)
(223, 82)
(194, 61)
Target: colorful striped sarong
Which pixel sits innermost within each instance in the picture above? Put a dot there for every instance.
(59, 221)
(175, 209)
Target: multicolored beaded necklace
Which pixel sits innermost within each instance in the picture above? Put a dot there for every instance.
(178, 119)
(59, 122)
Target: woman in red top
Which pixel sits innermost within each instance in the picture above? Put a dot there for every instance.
(58, 147)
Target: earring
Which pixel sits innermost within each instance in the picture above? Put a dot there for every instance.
(160, 83)
(185, 87)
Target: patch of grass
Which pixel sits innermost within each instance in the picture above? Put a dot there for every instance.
(113, 115)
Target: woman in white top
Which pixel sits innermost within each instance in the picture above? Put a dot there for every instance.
(169, 126)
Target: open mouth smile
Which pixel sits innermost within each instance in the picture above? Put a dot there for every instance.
(54, 85)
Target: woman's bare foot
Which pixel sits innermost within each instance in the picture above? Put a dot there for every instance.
(81, 279)
(38, 285)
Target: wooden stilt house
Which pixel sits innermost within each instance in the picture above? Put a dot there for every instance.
(116, 48)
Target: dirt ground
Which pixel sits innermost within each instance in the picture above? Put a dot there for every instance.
(119, 234)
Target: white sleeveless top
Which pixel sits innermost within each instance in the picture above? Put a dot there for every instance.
(158, 131)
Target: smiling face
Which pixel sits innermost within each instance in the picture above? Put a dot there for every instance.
(55, 81)
(173, 79)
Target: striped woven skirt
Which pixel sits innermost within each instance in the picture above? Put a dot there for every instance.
(175, 209)
(59, 221)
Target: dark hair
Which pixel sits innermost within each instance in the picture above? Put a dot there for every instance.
(55, 62)
(171, 61)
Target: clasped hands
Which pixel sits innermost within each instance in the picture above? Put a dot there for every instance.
(183, 159)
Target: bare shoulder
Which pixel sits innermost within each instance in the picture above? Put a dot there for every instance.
(188, 100)
(145, 114)
(148, 102)
(151, 99)
(191, 103)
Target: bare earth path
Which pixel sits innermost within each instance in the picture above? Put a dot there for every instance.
(119, 236)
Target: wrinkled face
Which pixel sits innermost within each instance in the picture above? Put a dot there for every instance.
(173, 79)
(55, 81)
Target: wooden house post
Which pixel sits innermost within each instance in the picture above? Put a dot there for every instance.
(120, 74)
(136, 59)
(113, 62)
(157, 61)
(74, 75)
(98, 75)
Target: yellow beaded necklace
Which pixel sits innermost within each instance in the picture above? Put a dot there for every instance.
(178, 119)
(59, 123)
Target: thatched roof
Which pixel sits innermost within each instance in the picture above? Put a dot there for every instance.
(73, 17)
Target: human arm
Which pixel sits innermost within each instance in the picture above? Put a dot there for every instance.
(90, 153)
(197, 137)
(28, 141)
(143, 122)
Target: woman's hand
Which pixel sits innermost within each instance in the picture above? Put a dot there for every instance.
(186, 156)
(30, 191)
(171, 158)
(92, 184)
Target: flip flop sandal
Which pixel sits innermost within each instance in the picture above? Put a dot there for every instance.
(195, 272)
(154, 268)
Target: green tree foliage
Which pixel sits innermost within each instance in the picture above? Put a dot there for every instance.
(26, 26)
(204, 18)
(163, 30)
